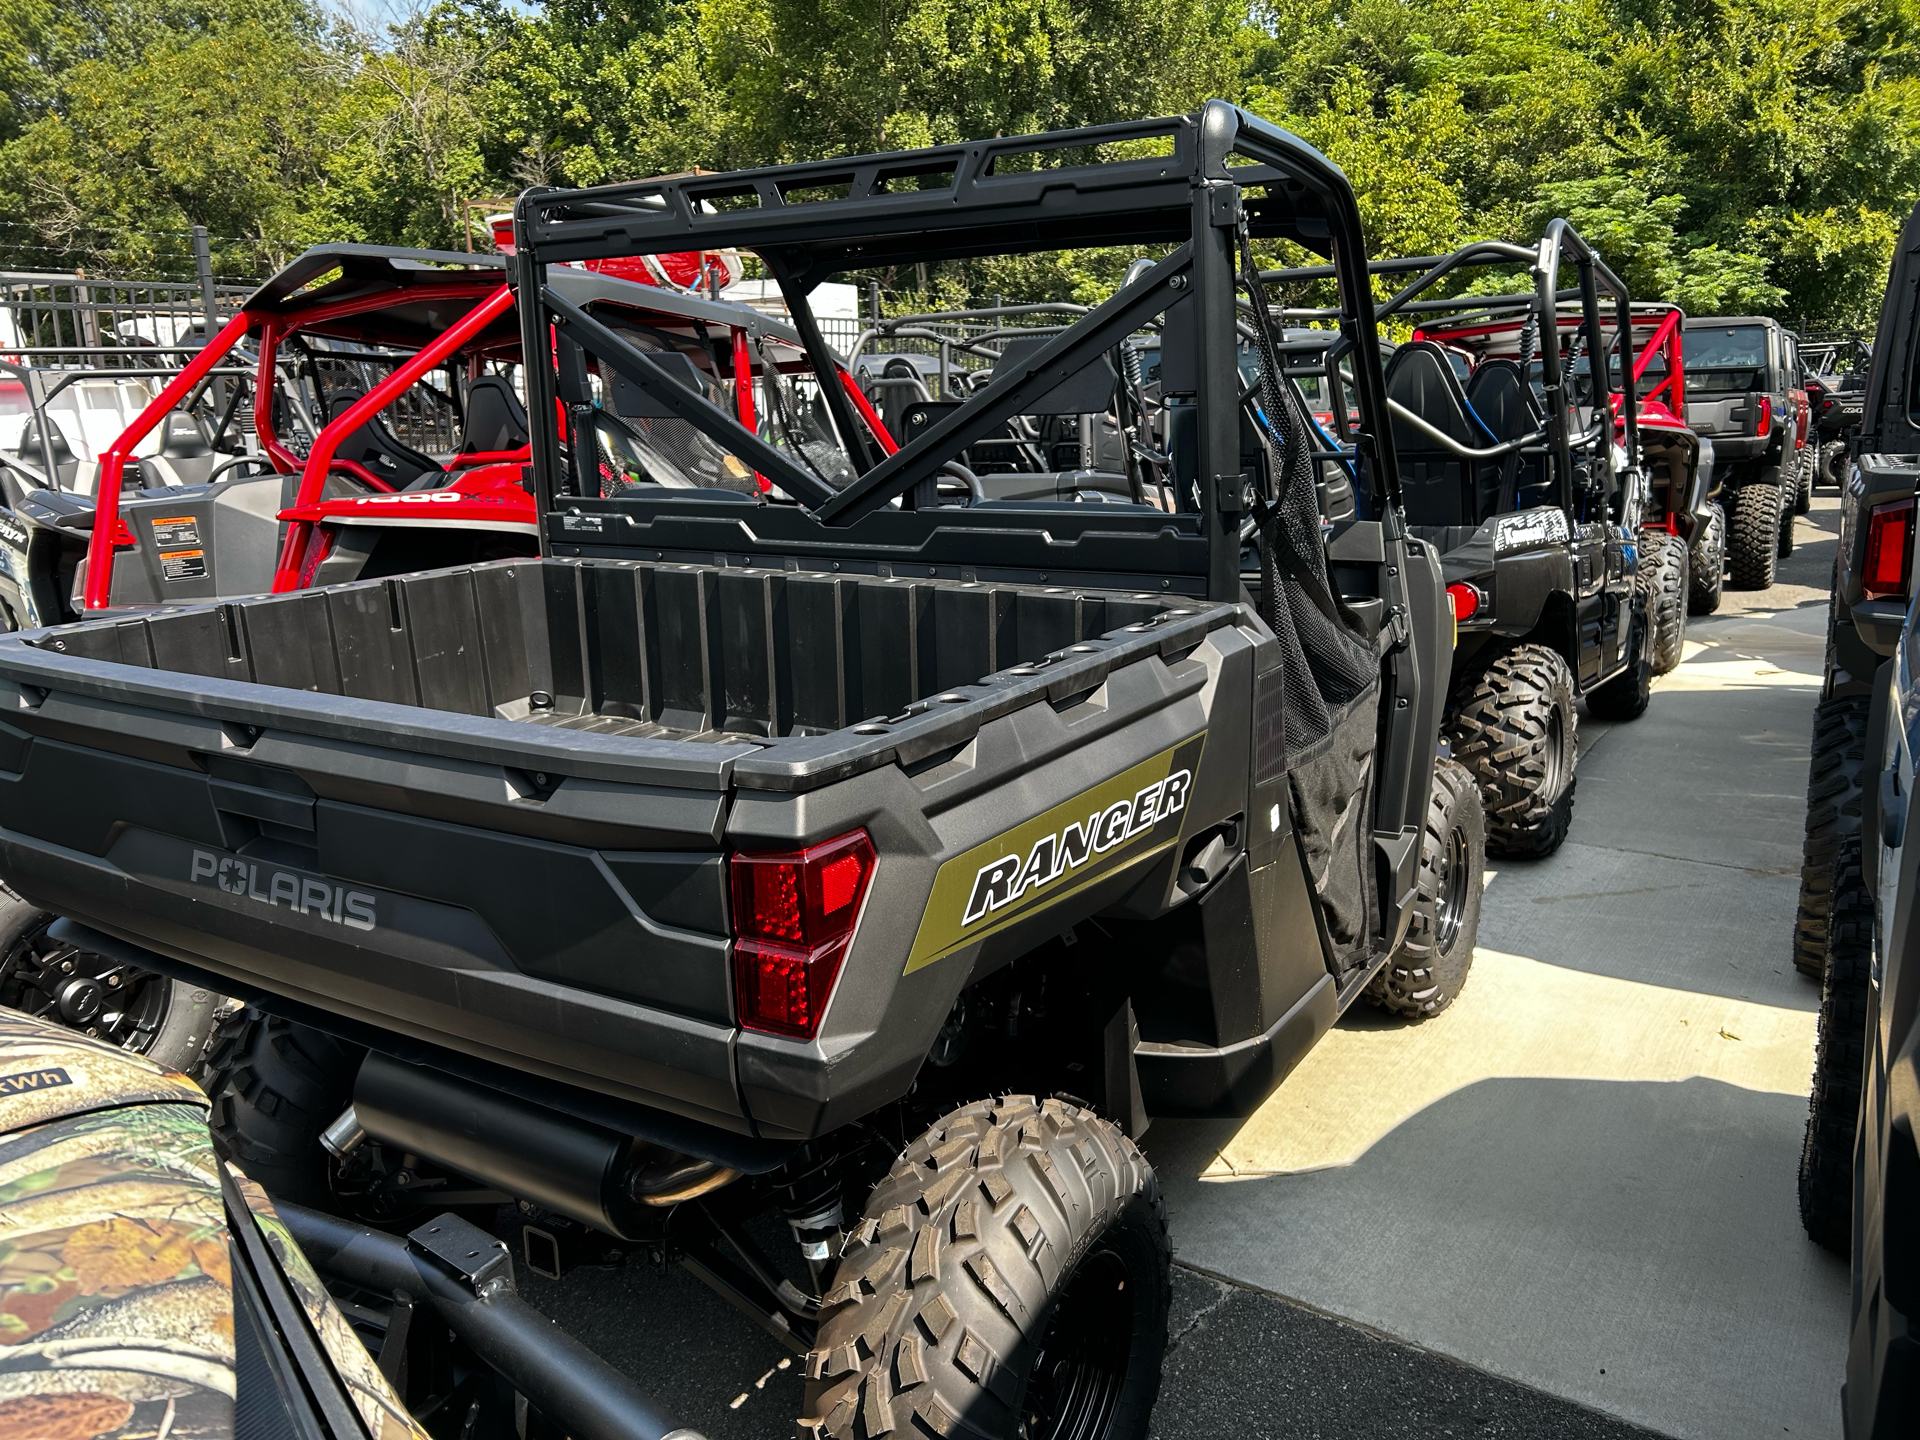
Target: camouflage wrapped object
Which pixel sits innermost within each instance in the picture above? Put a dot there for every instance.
(116, 1285)
(385, 1417)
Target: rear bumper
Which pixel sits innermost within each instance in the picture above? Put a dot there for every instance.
(435, 994)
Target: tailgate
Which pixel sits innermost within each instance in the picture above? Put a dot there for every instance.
(537, 895)
(1730, 416)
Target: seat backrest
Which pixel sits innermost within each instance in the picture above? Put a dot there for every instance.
(630, 402)
(29, 447)
(496, 420)
(379, 450)
(1439, 487)
(1504, 402)
(180, 438)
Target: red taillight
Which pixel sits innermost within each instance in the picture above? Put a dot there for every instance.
(793, 914)
(1765, 422)
(1889, 549)
(1466, 600)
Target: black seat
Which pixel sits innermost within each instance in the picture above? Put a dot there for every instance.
(1088, 391)
(184, 456)
(496, 420)
(379, 450)
(1503, 401)
(65, 463)
(1440, 487)
(180, 438)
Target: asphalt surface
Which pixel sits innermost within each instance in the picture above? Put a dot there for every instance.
(1562, 1209)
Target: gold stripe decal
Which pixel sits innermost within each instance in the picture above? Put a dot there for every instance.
(1054, 855)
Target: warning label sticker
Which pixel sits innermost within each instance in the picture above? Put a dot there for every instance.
(183, 564)
(176, 530)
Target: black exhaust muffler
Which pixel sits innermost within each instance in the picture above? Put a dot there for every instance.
(583, 1171)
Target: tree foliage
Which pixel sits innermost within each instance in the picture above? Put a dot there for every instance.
(1751, 156)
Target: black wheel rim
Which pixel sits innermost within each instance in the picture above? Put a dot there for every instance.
(1450, 890)
(1081, 1368)
(82, 991)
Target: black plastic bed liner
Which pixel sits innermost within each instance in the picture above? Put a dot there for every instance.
(679, 652)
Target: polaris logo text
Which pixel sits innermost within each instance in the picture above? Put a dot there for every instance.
(1007, 879)
(303, 894)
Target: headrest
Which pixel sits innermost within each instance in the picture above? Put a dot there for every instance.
(180, 438)
(496, 420)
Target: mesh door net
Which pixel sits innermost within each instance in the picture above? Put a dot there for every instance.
(1330, 673)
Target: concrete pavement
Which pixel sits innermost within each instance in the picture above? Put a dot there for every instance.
(1581, 1178)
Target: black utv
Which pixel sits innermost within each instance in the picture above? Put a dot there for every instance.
(862, 849)
(1514, 473)
(1836, 384)
(1744, 393)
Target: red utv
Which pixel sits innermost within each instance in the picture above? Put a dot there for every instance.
(389, 433)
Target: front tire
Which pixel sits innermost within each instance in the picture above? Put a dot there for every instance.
(1430, 967)
(1753, 535)
(1513, 727)
(1833, 1110)
(1707, 563)
(1836, 792)
(1803, 496)
(1010, 1277)
(168, 1021)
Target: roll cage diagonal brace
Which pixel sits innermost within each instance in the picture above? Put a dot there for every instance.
(1009, 394)
(580, 328)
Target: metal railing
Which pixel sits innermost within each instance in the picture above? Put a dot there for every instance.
(59, 317)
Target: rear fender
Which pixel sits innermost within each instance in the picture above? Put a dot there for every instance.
(1557, 629)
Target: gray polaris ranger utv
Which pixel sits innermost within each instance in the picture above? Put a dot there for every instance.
(859, 849)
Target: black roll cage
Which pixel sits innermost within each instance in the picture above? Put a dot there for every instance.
(1559, 243)
(950, 202)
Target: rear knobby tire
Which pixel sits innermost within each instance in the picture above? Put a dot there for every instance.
(1836, 791)
(1833, 1111)
(275, 1086)
(1625, 697)
(1512, 726)
(1662, 577)
(1753, 536)
(1808, 462)
(168, 1021)
(1707, 563)
(1430, 967)
(1010, 1277)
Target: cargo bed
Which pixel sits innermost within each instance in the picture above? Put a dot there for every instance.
(488, 807)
